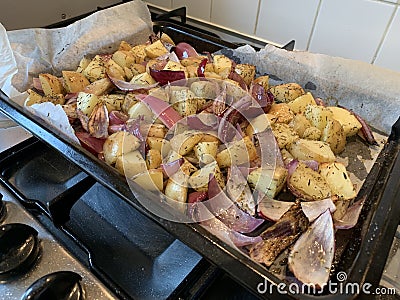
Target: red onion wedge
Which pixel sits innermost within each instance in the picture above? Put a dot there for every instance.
(366, 132)
(184, 50)
(37, 84)
(130, 87)
(165, 76)
(172, 167)
(232, 216)
(274, 209)
(200, 213)
(202, 68)
(350, 218)
(117, 117)
(312, 255)
(90, 143)
(161, 109)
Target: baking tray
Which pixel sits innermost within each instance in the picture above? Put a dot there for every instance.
(363, 249)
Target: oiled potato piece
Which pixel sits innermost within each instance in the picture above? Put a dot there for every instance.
(130, 164)
(206, 152)
(246, 71)
(96, 69)
(335, 174)
(309, 183)
(222, 65)
(286, 92)
(176, 191)
(119, 143)
(311, 150)
(51, 85)
(74, 81)
(86, 102)
(199, 179)
(184, 142)
(318, 115)
(151, 180)
(284, 134)
(334, 135)
(282, 112)
(348, 121)
(237, 153)
(268, 181)
(299, 104)
(155, 49)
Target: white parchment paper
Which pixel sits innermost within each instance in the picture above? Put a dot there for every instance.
(26, 53)
(371, 91)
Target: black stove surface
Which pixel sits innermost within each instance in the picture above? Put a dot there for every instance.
(131, 254)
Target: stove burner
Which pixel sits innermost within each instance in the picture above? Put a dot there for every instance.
(19, 249)
(3, 209)
(63, 285)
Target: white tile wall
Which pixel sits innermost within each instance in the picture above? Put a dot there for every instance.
(238, 14)
(17, 14)
(283, 20)
(350, 28)
(389, 54)
(196, 9)
(367, 30)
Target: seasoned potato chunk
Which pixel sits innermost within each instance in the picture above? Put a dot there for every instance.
(309, 183)
(348, 121)
(51, 85)
(318, 115)
(311, 150)
(74, 82)
(335, 174)
(286, 92)
(267, 180)
(237, 153)
(334, 135)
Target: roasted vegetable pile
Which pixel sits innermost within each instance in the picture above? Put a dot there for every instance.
(220, 144)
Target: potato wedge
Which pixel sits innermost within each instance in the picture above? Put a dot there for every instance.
(86, 102)
(269, 181)
(155, 49)
(183, 143)
(318, 115)
(338, 179)
(247, 72)
(176, 191)
(299, 104)
(74, 82)
(222, 65)
(348, 121)
(237, 153)
(119, 143)
(96, 69)
(284, 134)
(51, 85)
(282, 112)
(153, 159)
(206, 152)
(334, 135)
(260, 124)
(139, 53)
(130, 164)
(309, 184)
(286, 92)
(124, 58)
(311, 150)
(151, 180)
(199, 179)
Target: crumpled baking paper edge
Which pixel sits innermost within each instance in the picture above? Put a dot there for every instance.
(370, 91)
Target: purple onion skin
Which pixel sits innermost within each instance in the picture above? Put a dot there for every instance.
(366, 131)
(225, 210)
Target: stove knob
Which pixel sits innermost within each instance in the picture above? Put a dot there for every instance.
(19, 249)
(63, 285)
(3, 208)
